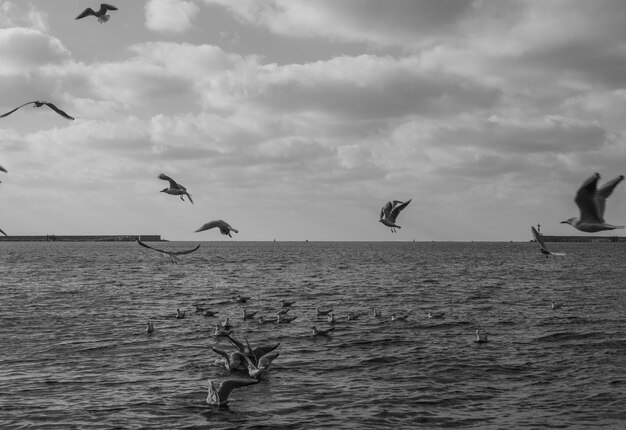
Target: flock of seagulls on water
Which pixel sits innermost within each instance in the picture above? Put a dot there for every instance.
(590, 200)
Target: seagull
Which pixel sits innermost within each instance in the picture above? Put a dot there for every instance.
(2, 169)
(248, 315)
(2, 231)
(331, 318)
(219, 396)
(224, 227)
(219, 331)
(180, 314)
(101, 14)
(149, 327)
(241, 299)
(591, 203)
(394, 317)
(282, 319)
(480, 338)
(390, 212)
(319, 312)
(378, 313)
(232, 361)
(542, 246)
(435, 315)
(553, 305)
(175, 188)
(172, 254)
(226, 324)
(318, 332)
(256, 367)
(199, 308)
(265, 320)
(39, 103)
(209, 313)
(286, 304)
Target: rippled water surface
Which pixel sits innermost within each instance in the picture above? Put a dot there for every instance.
(75, 353)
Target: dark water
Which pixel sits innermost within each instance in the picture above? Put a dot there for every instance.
(75, 353)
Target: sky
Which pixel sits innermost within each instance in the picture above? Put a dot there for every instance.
(298, 119)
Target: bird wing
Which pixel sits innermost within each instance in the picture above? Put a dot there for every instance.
(170, 253)
(221, 352)
(104, 7)
(86, 12)
(1, 231)
(397, 209)
(172, 182)
(228, 385)
(585, 199)
(20, 106)
(267, 359)
(604, 193)
(57, 110)
(539, 239)
(3, 169)
(211, 224)
(385, 211)
(189, 197)
(263, 350)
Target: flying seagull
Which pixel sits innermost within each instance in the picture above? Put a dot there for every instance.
(40, 103)
(1, 231)
(224, 227)
(390, 212)
(171, 254)
(175, 188)
(2, 169)
(101, 14)
(591, 203)
(219, 396)
(542, 246)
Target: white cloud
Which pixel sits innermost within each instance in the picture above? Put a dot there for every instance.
(170, 15)
(13, 14)
(24, 50)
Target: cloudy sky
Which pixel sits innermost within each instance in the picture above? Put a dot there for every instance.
(299, 119)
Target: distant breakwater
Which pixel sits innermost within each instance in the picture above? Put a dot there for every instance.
(584, 239)
(80, 238)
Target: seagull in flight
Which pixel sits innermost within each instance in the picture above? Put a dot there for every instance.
(1, 231)
(219, 396)
(224, 227)
(591, 202)
(390, 212)
(2, 169)
(172, 254)
(542, 246)
(40, 103)
(175, 188)
(101, 14)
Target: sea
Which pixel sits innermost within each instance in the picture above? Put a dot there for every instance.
(74, 352)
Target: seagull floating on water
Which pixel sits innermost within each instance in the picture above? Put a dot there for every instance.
(435, 315)
(320, 312)
(180, 314)
(554, 305)
(248, 315)
(319, 332)
(390, 212)
(101, 14)
(219, 396)
(224, 227)
(175, 189)
(480, 337)
(40, 103)
(171, 254)
(591, 203)
(542, 246)
(395, 317)
(149, 327)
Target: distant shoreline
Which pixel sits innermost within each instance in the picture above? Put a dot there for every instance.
(84, 238)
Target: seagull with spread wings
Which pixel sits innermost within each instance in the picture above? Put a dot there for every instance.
(542, 246)
(40, 103)
(172, 254)
(591, 202)
(224, 227)
(390, 212)
(175, 188)
(101, 14)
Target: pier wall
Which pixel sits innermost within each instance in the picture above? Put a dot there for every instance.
(83, 238)
(589, 238)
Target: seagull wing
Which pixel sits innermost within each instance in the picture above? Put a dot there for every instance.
(385, 211)
(86, 12)
(172, 182)
(9, 113)
(539, 239)
(604, 193)
(104, 7)
(397, 209)
(585, 199)
(57, 110)
(211, 224)
(263, 350)
(221, 352)
(1, 231)
(170, 253)
(228, 385)
(3, 169)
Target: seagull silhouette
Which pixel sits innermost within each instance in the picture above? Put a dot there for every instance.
(390, 212)
(172, 254)
(40, 103)
(2, 169)
(175, 188)
(101, 14)
(224, 227)
(219, 396)
(591, 203)
(542, 246)
(1, 231)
